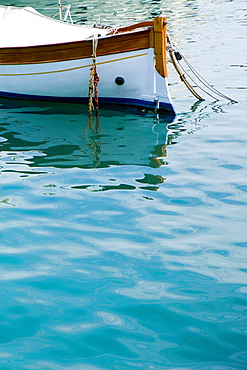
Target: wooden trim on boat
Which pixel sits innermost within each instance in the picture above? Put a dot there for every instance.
(160, 45)
(157, 40)
(126, 39)
(75, 50)
(135, 26)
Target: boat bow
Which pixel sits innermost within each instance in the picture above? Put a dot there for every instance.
(131, 61)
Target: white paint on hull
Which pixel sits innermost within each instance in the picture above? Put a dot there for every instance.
(69, 79)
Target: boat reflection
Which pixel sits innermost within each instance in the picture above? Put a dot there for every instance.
(56, 135)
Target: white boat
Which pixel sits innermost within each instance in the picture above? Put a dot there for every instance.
(45, 59)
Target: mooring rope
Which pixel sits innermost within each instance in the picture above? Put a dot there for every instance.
(196, 83)
(174, 60)
(93, 100)
(204, 81)
(176, 55)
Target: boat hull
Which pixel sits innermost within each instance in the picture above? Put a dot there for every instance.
(131, 67)
(68, 81)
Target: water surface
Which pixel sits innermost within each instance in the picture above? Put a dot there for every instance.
(123, 243)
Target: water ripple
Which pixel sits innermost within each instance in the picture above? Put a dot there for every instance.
(124, 246)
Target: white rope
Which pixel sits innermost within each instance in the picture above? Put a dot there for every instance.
(196, 83)
(203, 80)
(200, 78)
(95, 45)
(59, 9)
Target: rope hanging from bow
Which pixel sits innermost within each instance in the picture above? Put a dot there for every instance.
(198, 81)
(93, 99)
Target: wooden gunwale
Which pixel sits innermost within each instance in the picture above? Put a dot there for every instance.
(126, 39)
(113, 44)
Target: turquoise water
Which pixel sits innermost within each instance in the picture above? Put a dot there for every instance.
(123, 245)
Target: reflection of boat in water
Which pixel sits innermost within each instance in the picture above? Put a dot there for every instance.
(59, 136)
(49, 60)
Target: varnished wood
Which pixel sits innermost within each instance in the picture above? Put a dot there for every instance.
(160, 45)
(125, 40)
(75, 50)
(135, 26)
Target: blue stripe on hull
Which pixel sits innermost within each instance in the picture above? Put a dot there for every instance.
(137, 103)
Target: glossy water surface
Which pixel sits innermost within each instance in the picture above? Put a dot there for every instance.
(123, 243)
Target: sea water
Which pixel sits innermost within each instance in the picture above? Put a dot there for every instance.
(123, 243)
